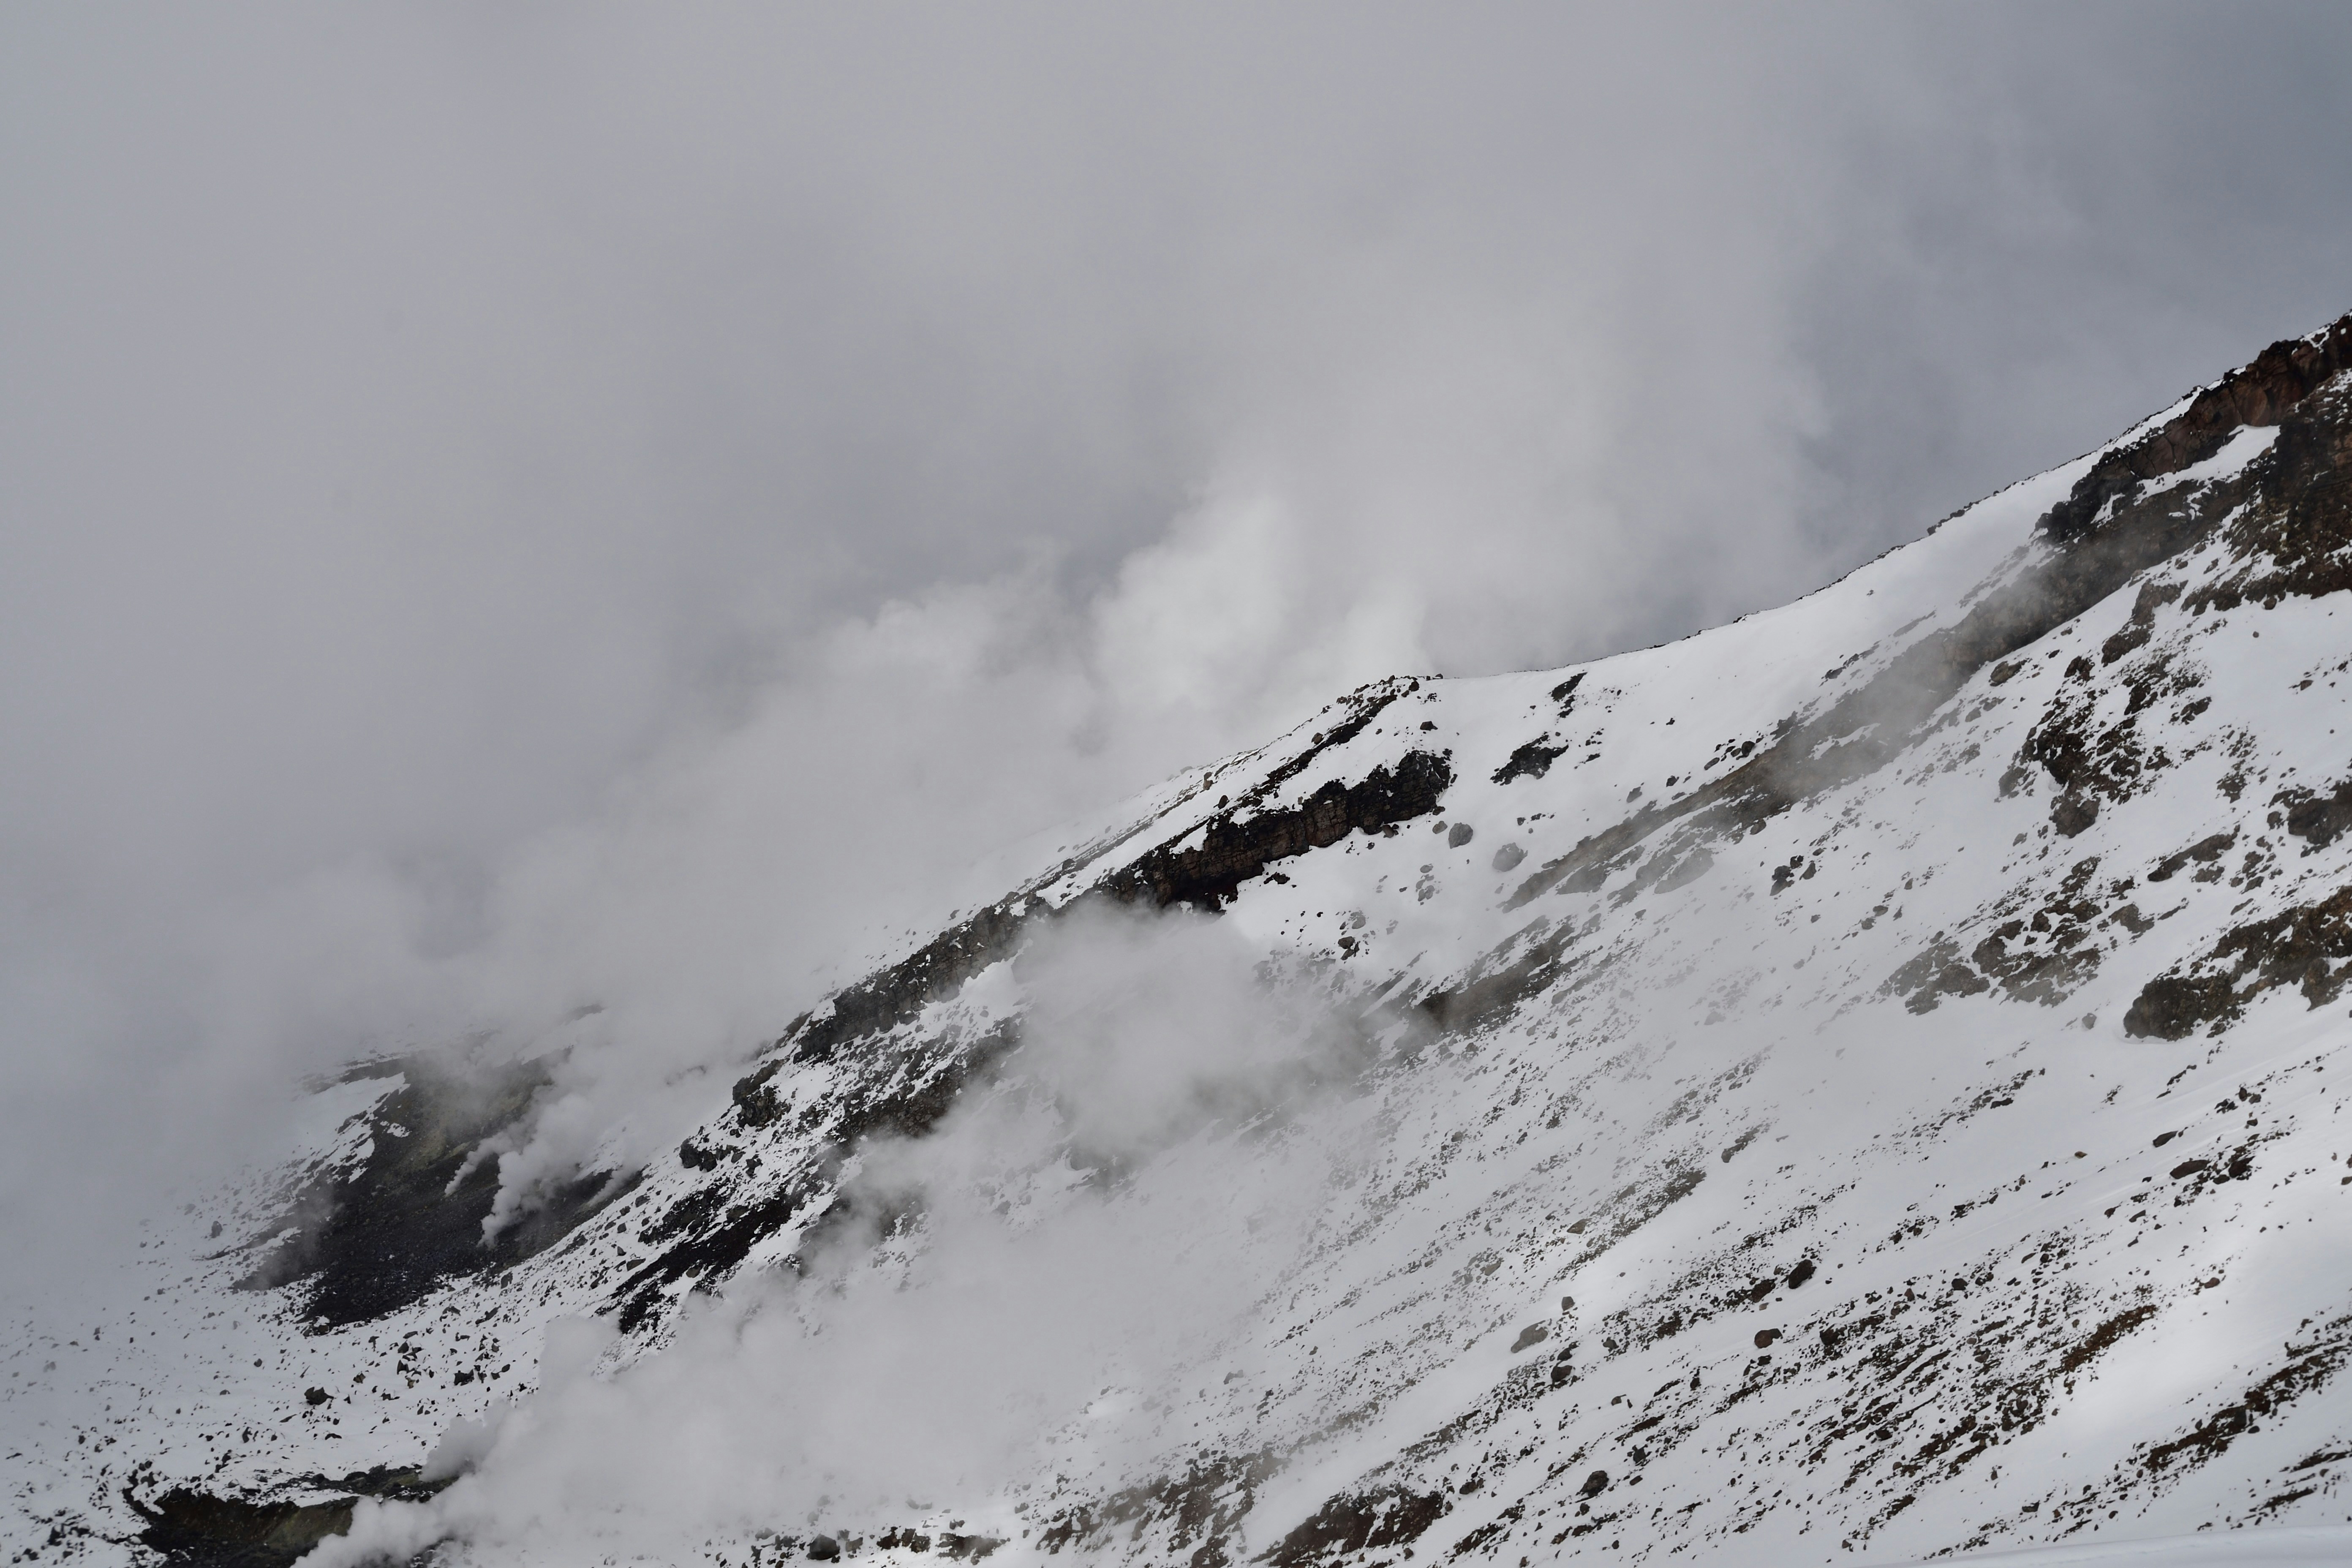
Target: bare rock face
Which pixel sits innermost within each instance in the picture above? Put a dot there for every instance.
(1232, 851)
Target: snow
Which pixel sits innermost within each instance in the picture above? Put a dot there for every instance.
(2250, 1550)
(1860, 1272)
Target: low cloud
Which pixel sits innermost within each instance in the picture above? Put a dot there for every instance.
(1014, 1294)
(512, 510)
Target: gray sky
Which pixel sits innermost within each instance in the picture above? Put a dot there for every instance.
(501, 506)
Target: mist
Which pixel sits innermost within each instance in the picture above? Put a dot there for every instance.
(1101, 1220)
(511, 511)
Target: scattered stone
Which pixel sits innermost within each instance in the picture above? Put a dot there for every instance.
(2295, 948)
(1359, 1523)
(2318, 820)
(2070, 814)
(2205, 851)
(1532, 761)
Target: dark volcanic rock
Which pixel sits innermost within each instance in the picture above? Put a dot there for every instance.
(2298, 541)
(1531, 760)
(192, 1530)
(1231, 852)
(2169, 1007)
(2070, 813)
(1359, 1523)
(2299, 947)
(2205, 851)
(375, 1241)
(2260, 393)
(1200, 1509)
(2318, 820)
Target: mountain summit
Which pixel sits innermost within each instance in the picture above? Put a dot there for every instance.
(1859, 1083)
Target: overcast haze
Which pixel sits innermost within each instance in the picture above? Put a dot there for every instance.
(508, 507)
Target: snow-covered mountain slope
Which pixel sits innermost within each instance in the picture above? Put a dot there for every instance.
(1860, 1083)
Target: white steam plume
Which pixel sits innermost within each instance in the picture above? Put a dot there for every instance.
(1015, 1292)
